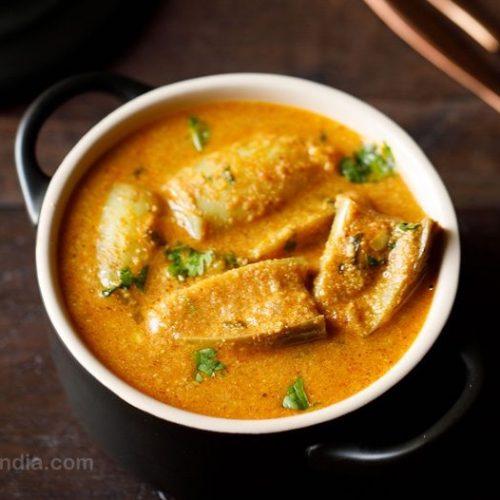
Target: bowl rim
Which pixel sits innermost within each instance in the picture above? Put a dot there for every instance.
(260, 83)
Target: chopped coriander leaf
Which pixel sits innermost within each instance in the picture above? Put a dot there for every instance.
(228, 175)
(354, 171)
(198, 262)
(392, 244)
(371, 163)
(408, 226)
(206, 363)
(200, 132)
(290, 245)
(127, 279)
(176, 268)
(231, 261)
(140, 279)
(387, 152)
(323, 137)
(373, 261)
(296, 397)
(187, 262)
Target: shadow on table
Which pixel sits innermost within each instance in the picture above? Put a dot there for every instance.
(42, 42)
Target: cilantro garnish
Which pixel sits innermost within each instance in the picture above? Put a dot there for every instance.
(231, 261)
(206, 363)
(186, 262)
(296, 397)
(140, 279)
(199, 131)
(371, 163)
(127, 279)
(408, 226)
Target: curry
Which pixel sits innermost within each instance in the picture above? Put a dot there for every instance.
(246, 260)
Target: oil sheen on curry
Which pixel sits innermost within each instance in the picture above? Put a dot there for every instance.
(246, 260)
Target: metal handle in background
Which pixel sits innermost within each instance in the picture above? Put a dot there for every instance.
(351, 457)
(441, 40)
(33, 180)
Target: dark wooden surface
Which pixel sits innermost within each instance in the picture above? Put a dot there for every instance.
(337, 42)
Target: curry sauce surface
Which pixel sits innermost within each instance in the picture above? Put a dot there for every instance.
(255, 379)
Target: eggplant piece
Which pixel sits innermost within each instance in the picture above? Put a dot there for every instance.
(124, 241)
(371, 263)
(243, 181)
(265, 303)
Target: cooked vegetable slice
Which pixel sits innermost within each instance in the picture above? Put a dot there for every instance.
(206, 363)
(124, 243)
(243, 181)
(371, 163)
(272, 307)
(296, 397)
(359, 287)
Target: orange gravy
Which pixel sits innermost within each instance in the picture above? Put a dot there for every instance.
(255, 379)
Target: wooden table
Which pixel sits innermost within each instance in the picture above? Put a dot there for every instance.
(337, 42)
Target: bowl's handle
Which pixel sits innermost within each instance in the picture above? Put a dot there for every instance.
(33, 180)
(350, 457)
